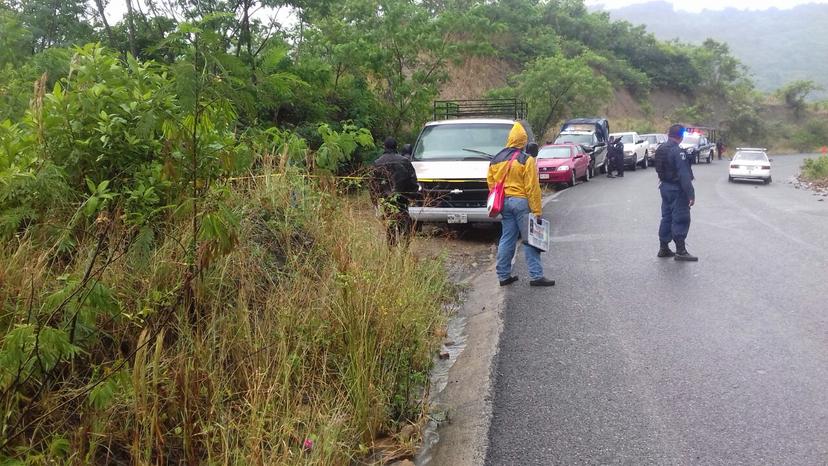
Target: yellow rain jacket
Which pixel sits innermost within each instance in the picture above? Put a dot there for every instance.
(522, 180)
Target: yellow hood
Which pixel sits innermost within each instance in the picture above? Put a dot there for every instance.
(517, 137)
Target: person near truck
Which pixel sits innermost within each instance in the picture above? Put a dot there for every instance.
(523, 198)
(393, 182)
(615, 154)
(720, 148)
(677, 196)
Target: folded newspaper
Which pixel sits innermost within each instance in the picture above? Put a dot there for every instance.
(538, 233)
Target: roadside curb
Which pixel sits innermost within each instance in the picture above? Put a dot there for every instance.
(468, 396)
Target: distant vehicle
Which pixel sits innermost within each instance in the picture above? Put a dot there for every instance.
(563, 163)
(592, 133)
(750, 163)
(636, 149)
(452, 154)
(654, 140)
(698, 144)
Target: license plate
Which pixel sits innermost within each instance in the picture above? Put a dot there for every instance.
(458, 218)
(544, 176)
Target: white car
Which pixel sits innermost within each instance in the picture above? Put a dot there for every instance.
(636, 150)
(750, 163)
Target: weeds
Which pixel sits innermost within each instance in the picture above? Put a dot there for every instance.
(309, 331)
(815, 169)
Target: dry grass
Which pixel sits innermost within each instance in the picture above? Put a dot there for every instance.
(304, 344)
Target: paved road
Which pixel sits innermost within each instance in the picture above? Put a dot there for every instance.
(633, 359)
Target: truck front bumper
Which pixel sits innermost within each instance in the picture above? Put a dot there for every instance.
(457, 215)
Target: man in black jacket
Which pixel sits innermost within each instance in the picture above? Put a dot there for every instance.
(615, 155)
(393, 182)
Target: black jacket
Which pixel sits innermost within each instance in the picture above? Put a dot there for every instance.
(393, 174)
(672, 167)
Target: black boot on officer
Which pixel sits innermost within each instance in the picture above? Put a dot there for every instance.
(682, 254)
(665, 251)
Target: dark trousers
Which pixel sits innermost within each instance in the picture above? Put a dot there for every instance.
(617, 164)
(398, 224)
(675, 213)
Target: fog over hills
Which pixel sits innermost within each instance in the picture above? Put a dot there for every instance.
(778, 46)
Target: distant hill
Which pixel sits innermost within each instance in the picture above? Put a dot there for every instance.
(778, 46)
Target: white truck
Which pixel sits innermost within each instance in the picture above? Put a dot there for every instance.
(452, 155)
(636, 149)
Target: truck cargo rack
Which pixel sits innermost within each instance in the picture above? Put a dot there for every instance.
(481, 108)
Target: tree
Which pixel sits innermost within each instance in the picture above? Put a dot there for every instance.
(557, 87)
(795, 93)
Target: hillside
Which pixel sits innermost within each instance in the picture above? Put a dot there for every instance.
(779, 46)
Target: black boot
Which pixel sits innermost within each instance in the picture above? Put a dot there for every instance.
(682, 254)
(665, 251)
(542, 282)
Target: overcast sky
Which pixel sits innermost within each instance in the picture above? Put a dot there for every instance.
(698, 5)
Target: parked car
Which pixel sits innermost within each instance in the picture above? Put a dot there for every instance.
(563, 163)
(452, 155)
(636, 149)
(750, 163)
(697, 145)
(654, 140)
(591, 133)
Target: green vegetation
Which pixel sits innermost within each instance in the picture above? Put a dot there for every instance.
(779, 45)
(176, 288)
(183, 279)
(816, 169)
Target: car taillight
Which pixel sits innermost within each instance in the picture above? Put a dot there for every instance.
(765, 167)
(734, 166)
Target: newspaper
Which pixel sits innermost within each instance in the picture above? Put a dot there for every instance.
(538, 233)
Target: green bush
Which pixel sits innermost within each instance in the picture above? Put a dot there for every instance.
(816, 169)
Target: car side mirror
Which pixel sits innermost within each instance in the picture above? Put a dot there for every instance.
(579, 156)
(407, 150)
(532, 149)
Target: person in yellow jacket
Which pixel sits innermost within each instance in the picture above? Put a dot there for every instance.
(523, 198)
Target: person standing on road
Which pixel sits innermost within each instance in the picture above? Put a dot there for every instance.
(523, 198)
(615, 153)
(720, 148)
(677, 195)
(393, 182)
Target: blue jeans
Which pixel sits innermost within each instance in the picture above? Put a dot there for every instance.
(675, 213)
(515, 223)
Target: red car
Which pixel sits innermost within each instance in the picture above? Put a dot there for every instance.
(563, 163)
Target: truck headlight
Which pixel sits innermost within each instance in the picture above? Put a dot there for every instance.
(563, 168)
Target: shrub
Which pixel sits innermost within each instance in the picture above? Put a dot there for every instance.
(816, 169)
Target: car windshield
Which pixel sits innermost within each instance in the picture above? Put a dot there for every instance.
(552, 152)
(461, 141)
(751, 156)
(574, 139)
(625, 138)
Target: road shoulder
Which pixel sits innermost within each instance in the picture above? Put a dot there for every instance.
(467, 398)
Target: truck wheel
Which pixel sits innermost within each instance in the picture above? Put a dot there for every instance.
(646, 162)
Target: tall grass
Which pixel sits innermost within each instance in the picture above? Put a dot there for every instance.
(302, 345)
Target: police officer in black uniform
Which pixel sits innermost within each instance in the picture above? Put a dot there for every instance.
(615, 154)
(393, 182)
(677, 195)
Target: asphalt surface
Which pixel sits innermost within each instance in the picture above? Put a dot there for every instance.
(632, 359)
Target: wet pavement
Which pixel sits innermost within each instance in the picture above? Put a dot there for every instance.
(632, 359)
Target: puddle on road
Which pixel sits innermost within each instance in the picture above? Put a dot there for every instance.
(439, 380)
